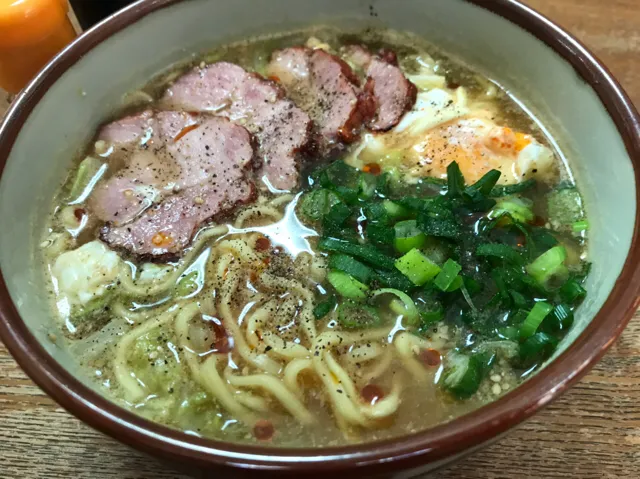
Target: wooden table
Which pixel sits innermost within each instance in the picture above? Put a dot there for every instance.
(591, 432)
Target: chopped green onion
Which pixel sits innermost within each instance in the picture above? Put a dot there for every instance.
(379, 233)
(509, 332)
(502, 251)
(417, 267)
(571, 291)
(533, 320)
(438, 226)
(514, 207)
(408, 236)
(376, 213)
(580, 226)
(448, 275)
(456, 284)
(548, 264)
(336, 216)
(339, 174)
(519, 301)
(317, 203)
(536, 348)
(324, 308)
(410, 309)
(463, 374)
(540, 240)
(508, 190)
(367, 185)
(346, 285)
(394, 209)
(429, 318)
(560, 320)
(367, 253)
(353, 315)
(455, 180)
(393, 279)
(485, 184)
(351, 266)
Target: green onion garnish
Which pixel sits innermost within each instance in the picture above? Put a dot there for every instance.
(548, 264)
(351, 266)
(346, 285)
(580, 226)
(408, 236)
(502, 251)
(367, 253)
(324, 308)
(417, 267)
(533, 320)
(409, 311)
(448, 275)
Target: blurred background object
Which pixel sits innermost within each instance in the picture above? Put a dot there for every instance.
(34, 31)
(31, 33)
(90, 12)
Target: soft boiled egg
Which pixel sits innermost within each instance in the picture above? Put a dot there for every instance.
(443, 127)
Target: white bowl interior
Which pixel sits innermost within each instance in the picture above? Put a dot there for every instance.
(73, 107)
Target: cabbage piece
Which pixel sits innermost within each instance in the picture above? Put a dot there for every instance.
(564, 208)
(154, 360)
(84, 275)
(89, 172)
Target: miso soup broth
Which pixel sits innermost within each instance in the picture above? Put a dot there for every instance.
(316, 238)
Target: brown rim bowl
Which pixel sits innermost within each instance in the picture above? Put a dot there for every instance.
(113, 41)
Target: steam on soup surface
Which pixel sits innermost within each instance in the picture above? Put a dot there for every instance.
(316, 239)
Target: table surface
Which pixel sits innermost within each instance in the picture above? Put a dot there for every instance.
(592, 431)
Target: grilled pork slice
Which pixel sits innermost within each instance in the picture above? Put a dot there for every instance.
(179, 170)
(326, 88)
(392, 92)
(282, 130)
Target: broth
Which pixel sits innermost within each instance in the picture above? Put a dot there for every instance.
(377, 298)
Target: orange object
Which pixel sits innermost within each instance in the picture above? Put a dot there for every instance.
(31, 33)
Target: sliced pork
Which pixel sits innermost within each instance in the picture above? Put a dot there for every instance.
(179, 171)
(282, 129)
(325, 87)
(392, 92)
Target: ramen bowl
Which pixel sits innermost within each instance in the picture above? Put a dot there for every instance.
(555, 77)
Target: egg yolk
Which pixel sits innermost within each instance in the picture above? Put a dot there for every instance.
(475, 144)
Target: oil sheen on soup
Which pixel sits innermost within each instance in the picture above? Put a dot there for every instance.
(313, 239)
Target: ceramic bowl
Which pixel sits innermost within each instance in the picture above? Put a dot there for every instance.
(553, 75)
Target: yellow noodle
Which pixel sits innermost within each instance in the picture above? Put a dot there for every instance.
(262, 361)
(365, 352)
(182, 331)
(342, 375)
(293, 286)
(276, 388)
(240, 249)
(408, 346)
(121, 311)
(386, 406)
(131, 288)
(279, 346)
(219, 389)
(292, 371)
(281, 200)
(379, 367)
(342, 406)
(260, 211)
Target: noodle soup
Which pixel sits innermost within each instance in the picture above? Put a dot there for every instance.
(316, 239)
